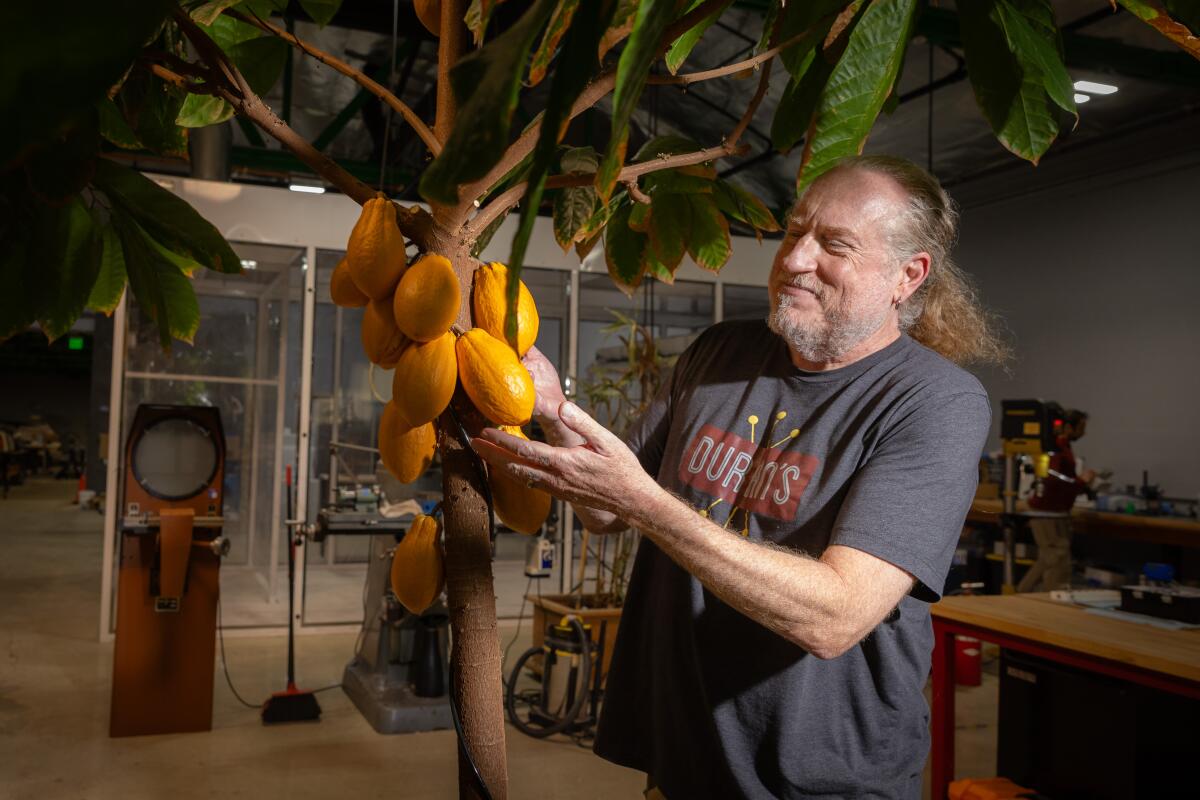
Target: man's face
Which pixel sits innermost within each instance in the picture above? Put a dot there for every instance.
(1075, 432)
(834, 280)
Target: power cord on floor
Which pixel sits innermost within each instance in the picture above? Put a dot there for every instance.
(520, 618)
(225, 664)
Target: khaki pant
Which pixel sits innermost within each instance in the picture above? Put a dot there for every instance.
(1052, 570)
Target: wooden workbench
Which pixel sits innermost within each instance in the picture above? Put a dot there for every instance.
(1032, 623)
(1159, 530)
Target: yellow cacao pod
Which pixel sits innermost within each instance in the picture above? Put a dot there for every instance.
(489, 305)
(406, 452)
(382, 341)
(426, 301)
(342, 290)
(424, 380)
(375, 252)
(430, 14)
(518, 506)
(419, 566)
(494, 378)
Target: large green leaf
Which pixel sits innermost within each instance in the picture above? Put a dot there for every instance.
(670, 229)
(556, 28)
(49, 258)
(151, 106)
(166, 217)
(162, 291)
(624, 250)
(682, 47)
(575, 68)
(111, 278)
(321, 11)
(708, 244)
(858, 86)
(486, 83)
(633, 67)
(57, 62)
(74, 274)
(814, 18)
(114, 127)
(573, 206)
(1176, 27)
(1185, 11)
(202, 110)
(736, 202)
(796, 108)
(1016, 72)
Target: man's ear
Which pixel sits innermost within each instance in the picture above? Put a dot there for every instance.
(913, 273)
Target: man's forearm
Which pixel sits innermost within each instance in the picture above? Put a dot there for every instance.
(800, 598)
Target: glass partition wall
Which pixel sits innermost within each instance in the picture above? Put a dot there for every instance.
(248, 360)
(244, 361)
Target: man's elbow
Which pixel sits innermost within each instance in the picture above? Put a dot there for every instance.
(826, 644)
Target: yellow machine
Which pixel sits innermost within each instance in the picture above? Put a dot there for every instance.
(1027, 428)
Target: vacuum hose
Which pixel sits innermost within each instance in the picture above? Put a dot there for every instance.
(561, 724)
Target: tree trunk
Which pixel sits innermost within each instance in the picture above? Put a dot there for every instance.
(475, 679)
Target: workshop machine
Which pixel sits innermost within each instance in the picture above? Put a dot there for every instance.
(170, 551)
(1029, 431)
(399, 676)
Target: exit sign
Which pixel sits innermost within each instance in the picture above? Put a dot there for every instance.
(74, 342)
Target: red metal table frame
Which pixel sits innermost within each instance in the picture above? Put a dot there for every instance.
(942, 722)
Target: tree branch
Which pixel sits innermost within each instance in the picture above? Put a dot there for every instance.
(451, 45)
(512, 195)
(729, 69)
(415, 122)
(603, 84)
(226, 82)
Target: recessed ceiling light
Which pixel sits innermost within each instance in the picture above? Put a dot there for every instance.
(249, 263)
(1094, 88)
(1081, 98)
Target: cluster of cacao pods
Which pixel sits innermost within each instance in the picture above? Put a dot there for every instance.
(408, 325)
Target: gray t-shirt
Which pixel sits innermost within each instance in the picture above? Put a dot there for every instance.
(880, 456)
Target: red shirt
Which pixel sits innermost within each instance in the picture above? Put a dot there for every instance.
(1056, 494)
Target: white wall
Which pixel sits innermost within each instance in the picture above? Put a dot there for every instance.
(1098, 278)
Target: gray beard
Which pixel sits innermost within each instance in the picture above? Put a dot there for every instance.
(830, 341)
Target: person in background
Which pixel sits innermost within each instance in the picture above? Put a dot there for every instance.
(1056, 495)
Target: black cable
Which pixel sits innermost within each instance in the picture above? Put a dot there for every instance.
(487, 496)
(224, 663)
(462, 744)
(520, 619)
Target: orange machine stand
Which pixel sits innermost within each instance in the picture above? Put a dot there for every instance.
(163, 661)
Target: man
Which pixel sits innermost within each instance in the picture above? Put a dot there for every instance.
(1052, 503)
(800, 485)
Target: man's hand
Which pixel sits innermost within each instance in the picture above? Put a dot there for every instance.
(545, 382)
(598, 473)
(1088, 476)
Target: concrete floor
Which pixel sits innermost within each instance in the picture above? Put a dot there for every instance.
(55, 684)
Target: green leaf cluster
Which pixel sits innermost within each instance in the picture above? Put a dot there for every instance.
(77, 228)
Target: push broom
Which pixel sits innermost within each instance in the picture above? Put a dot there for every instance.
(292, 704)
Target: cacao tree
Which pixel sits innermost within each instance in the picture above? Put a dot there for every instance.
(80, 81)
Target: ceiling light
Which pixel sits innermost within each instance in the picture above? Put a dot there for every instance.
(309, 185)
(1081, 98)
(1094, 88)
(249, 263)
